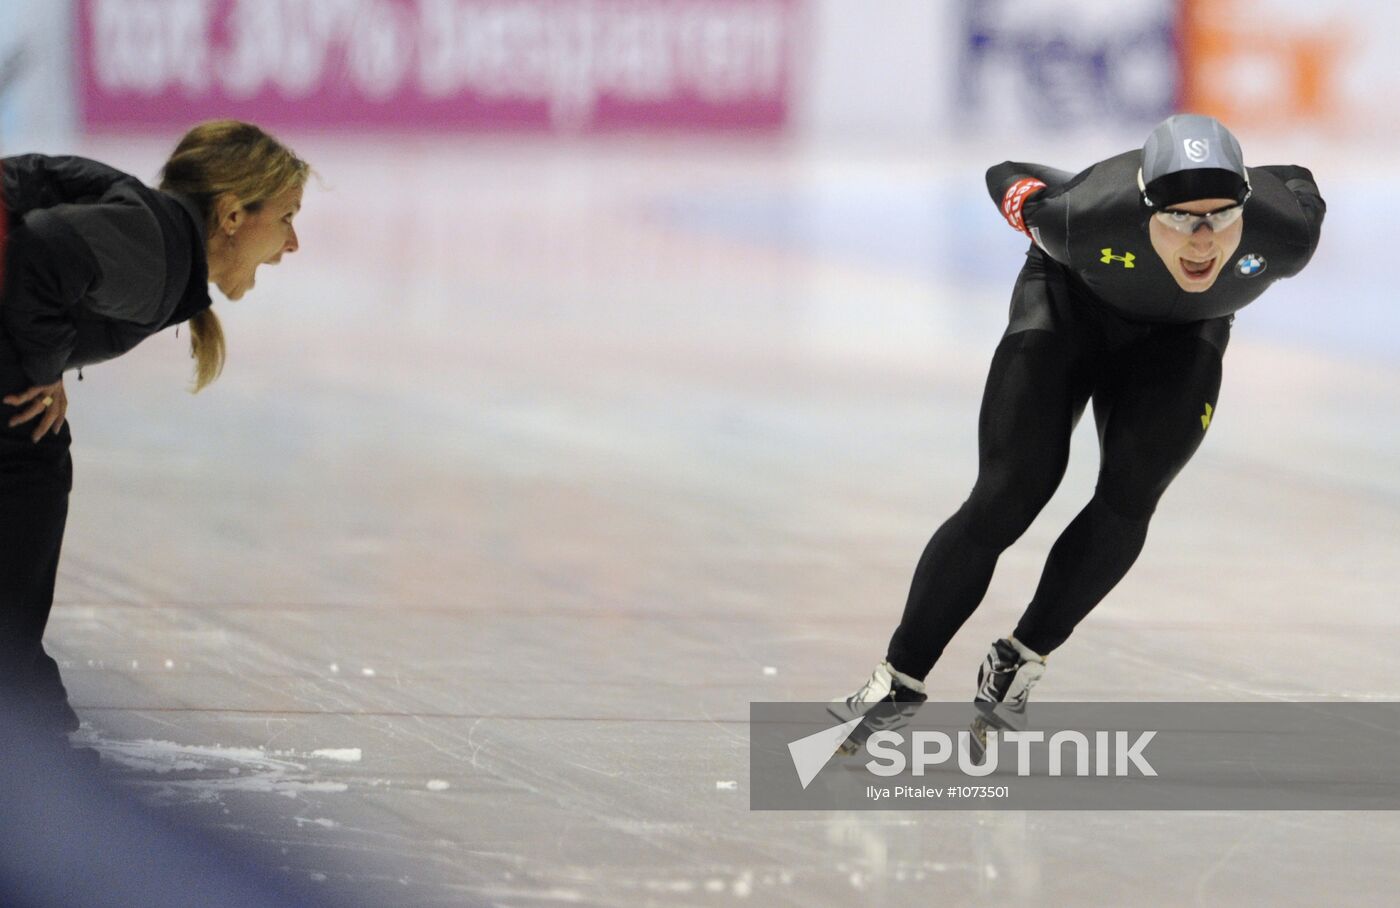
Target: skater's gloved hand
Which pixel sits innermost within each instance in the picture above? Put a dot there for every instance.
(46, 401)
(1015, 200)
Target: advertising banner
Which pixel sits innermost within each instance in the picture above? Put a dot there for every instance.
(1063, 66)
(1293, 63)
(519, 65)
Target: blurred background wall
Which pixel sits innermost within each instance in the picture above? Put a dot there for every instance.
(792, 68)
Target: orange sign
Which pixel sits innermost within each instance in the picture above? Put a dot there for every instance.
(1256, 63)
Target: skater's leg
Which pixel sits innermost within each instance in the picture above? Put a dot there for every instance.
(1032, 400)
(1152, 420)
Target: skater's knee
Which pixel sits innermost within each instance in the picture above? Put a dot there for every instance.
(1128, 496)
(1129, 508)
(1001, 509)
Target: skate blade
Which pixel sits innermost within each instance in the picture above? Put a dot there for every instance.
(977, 740)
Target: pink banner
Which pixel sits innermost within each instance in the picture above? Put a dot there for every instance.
(533, 65)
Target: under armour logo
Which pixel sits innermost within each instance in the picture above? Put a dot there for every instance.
(1126, 258)
(1197, 150)
(1206, 417)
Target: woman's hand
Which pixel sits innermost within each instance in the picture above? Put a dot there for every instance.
(48, 401)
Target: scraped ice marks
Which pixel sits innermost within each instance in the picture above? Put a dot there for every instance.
(205, 773)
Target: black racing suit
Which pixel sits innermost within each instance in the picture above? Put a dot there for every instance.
(1095, 314)
(93, 263)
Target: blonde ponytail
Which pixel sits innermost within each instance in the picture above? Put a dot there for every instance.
(206, 348)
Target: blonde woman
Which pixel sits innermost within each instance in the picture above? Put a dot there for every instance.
(94, 262)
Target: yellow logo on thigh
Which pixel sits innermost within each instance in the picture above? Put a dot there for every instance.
(1206, 417)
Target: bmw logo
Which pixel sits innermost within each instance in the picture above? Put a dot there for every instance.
(1250, 265)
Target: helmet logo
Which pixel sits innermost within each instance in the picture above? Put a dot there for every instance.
(1197, 150)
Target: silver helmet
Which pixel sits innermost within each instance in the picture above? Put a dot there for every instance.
(1188, 157)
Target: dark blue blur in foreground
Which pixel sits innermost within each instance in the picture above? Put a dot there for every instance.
(70, 838)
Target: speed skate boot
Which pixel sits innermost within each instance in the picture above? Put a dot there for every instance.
(886, 701)
(1004, 683)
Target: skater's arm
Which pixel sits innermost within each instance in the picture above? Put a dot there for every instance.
(1003, 176)
(1301, 183)
(1031, 198)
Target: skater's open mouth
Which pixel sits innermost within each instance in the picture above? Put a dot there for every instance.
(1197, 270)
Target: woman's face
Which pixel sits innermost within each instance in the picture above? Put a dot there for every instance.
(246, 239)
(1196, 259)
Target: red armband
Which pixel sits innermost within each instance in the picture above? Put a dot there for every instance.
(1015, 200)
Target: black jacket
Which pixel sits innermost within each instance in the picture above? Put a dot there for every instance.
(96, 262)
(1095, 224)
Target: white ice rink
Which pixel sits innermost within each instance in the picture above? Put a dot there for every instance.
(539, 462)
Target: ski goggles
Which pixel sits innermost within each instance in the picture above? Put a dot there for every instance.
(1186, 222)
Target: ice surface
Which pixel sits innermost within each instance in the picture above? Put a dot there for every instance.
(534, 465)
